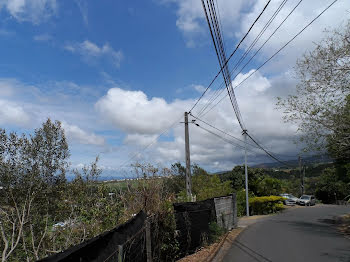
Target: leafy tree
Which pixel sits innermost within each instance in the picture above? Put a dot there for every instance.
(32, 173)
(320, 106)
(338, 142)
(330, 187)
(35, 196)
(206, 185)
(269, 186)
(177, 180)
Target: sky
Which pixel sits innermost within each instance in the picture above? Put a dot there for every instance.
(119, 73)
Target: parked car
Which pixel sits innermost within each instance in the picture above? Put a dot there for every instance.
(307, 200)
(290, 199)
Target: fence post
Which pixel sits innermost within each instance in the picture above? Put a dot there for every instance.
(120, 253)
(148, 241)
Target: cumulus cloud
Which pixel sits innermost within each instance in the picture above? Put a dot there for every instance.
(34, 11)
(133, 112)
(237, 17)
(91, 52)
(303, 14)
(12, 113)
(143, 118)
(77, 134)
(191, 19)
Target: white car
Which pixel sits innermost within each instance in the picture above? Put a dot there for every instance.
(290, 199)
(306, 200)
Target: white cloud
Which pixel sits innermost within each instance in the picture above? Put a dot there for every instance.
(143, 118)
(34, 11)
(133, 112)
(42, 38)
(6, 87)
(191, 18)
(303, 14)
(137, 139)
(76, 134)
(237, 17)
(199, 88)
(82, 5)
(12, 113)
(91, 51)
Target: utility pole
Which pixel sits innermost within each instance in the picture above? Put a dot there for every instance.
(301, 178)
(302, 181)
(246, 172)
(188, 162)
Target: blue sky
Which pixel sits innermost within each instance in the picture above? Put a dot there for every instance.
(117, 73)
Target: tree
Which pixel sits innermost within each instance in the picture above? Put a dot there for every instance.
(338, 142)
(321, 95)
(206, 185)
(32, 173)
(330, 187)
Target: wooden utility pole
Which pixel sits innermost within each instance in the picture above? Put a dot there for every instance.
(246, 172)
(188, 162)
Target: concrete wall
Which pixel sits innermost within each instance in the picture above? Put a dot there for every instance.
(226, 211)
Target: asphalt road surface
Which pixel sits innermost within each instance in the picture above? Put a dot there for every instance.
(298, 234)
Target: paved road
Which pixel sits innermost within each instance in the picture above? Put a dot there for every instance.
(296, 235)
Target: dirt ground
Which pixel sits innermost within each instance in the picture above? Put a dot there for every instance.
(209, 253)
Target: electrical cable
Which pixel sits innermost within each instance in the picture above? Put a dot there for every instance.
(252, 145)
(219, 49)
(150, 144)
(277, 52)
(267, 152)
(215, 94)
(234, 51)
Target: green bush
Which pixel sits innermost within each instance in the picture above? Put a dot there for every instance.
(265, 205)
(241, 203)
(215, 231)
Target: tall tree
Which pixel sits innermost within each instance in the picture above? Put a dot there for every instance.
(32, 172)
(324, 84)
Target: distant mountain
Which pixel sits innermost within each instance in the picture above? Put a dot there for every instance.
(309, 161)
(295, 163)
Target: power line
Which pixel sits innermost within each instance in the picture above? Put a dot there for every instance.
(252, 145)
(267, 152)
(242, 147)
(277, 52)
(150, 144)
(215, 32)
(221, 137)
(216, 94)
(220, 130)
(234, 51)
(266, 41)
(281, 155)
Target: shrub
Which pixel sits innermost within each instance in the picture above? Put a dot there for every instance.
(215, 231)
(241, 204)
(265, 205)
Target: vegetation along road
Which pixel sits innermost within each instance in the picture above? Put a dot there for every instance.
(298, 234)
